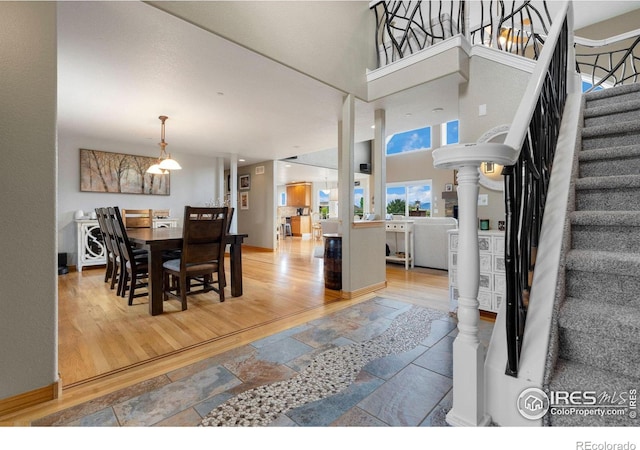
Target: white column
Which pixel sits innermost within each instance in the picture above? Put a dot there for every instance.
(220, 182)
(233, 176)
(379, 172)
(468, 352)
(345, 183)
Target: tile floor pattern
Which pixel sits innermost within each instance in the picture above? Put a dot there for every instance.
(385, 363)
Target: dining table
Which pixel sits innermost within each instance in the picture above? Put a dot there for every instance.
(158, 240)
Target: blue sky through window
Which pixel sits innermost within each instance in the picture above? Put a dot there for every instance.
(409, 140)
(452, 132)
(586, 86)
(358, 194)
(419, 193)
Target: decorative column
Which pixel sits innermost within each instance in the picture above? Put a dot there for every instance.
(468, 352)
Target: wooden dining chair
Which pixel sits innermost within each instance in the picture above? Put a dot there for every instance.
(137, 218)
(111, 272)
(135, 270)
(202, 257)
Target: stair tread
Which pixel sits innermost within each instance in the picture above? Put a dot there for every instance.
(575, 376)
(598, 131)
(603, 261)
(597, 316)
(611, 109)
(608, 182)
(606, 218)
(627, 151)
(612, 92)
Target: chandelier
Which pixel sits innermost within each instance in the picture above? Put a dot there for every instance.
(165, 162)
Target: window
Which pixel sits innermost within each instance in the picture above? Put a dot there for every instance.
(283, 199)
(358, 201)
(450, 133)
(323, 203)
(587, 85)
(409, 199)
(408, 141)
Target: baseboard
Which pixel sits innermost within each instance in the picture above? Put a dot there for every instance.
(31, 398)
(364, 290)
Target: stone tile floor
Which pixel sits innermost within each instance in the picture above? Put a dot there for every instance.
(380, 363)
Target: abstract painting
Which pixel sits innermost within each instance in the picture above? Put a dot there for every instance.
(120, 173)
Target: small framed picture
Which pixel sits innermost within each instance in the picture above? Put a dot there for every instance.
(488, 167)
(244, 182)
(244, 200)
(455, 177)
(448, 187)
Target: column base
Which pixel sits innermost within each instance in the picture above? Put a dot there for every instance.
(457, 421)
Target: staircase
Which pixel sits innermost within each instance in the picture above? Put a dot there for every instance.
(599, 320)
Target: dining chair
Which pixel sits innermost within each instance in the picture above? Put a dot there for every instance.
(111, 271)
(202, 257)
(316, 227)
(135, 270)
(137, 218)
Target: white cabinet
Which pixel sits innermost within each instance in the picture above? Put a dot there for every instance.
(91, 249)
(492, 281)
(406, 228)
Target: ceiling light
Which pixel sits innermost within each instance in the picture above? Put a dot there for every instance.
(437, 110)
(165, 162)
(241, 160)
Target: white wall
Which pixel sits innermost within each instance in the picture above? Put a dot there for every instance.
(28, 276)
(194, 185)
(259, 221)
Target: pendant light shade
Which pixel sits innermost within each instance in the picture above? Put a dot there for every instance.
(165, 162)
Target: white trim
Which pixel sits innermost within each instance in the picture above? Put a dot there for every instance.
(453, 42)
(603, 42)
(504, 58)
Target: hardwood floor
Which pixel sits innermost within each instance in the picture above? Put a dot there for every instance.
(105, 345)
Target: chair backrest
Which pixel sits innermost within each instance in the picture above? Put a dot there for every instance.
(315, 217)
(137, 218)
(229, 218)
(101, 215)
(120, 232)
(161, 213)
(203, 235)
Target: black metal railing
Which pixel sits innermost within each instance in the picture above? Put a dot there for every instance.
(406, 27)
(518, 28)
(609, 67)
(526, 184)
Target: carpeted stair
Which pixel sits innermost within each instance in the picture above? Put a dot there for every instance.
(598, 345)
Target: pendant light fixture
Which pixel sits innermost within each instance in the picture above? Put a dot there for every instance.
(165, 162)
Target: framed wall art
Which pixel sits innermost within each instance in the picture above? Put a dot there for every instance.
(120, 173)
(244, 200)
(244, 182)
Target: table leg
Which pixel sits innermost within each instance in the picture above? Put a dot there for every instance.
(235, 257)
(155, 281)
